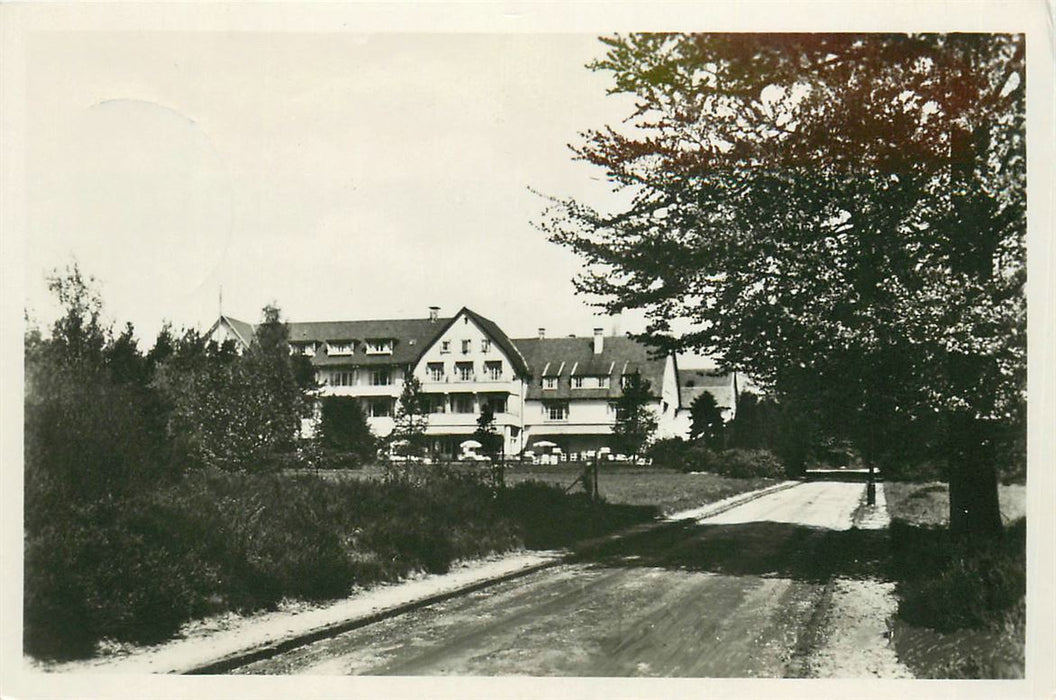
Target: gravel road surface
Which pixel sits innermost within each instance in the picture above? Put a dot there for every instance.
(762, 590)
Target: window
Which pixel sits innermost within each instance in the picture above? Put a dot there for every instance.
(307, 349)
(493, 370)
(615, 410)
(380, 377)
(625, 380)
(550, 383)
(497, 403)
(464, 371)
(445, 347)
(379, 347)
(577, 382)
(485, 345)
(462, 403)
(436, 371)
(467, 345)
(339, 348)
(379, 408)
(603, 382)
(556, 410)
(434, 403)
(343, 378)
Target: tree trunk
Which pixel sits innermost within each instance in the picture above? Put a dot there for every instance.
(974, 509)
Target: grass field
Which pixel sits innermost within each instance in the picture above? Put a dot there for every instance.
(929, 504)
(668, 490)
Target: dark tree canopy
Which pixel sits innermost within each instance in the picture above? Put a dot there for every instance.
(840, 216)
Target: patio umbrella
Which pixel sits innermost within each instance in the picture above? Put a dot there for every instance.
(470, 443)
(544, 443)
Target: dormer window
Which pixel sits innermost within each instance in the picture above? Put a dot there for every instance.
(379, 346)
(603, 382)
(306, 349)
(550, 383)
(577, 382)
(337, 349)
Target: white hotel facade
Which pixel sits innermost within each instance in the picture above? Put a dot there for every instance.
(560, 391)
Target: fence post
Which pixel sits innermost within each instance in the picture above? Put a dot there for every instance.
(597, 458)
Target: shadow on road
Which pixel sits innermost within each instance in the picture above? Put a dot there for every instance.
(757, 549)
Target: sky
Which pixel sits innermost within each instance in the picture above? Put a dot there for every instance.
(341, 176)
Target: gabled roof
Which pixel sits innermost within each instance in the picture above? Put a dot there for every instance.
(558, 356)
(245, 332)
(694, 382)
(410, 337)
(493, 331)
(690, 378)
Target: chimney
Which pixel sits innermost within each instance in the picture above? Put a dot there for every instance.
(434, 313)
(542, 333)
(599, 341)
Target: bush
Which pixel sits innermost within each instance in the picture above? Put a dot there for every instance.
(748, 464)
(136, 568)
(946, 585)
(682, 455)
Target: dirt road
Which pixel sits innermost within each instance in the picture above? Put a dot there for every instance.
(779, 587)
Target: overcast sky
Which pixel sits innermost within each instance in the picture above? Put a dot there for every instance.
(342, 176)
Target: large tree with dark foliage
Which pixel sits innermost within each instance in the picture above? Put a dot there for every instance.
(840, 216)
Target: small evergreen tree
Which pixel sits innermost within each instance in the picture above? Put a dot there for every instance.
(707, 424)
(635, 421)
(343, 427)
(489, 439)
(411, 420)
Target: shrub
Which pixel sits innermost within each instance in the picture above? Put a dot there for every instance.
(747, 464)
(343, 429)
(682, 455)
(136, 568)
(945, 584)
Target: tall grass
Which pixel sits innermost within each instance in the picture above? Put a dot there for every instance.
(135, 569)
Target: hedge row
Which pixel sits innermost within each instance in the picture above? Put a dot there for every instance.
(135, 569)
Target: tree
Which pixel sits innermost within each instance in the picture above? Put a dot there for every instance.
(411, 419)
(635, 421)
(343, 427)
(707, 424)
(490, 440)
(840, 216)
(92, 428)
(229, 411)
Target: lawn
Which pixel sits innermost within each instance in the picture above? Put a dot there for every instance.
(929, 503)
(669, 490)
